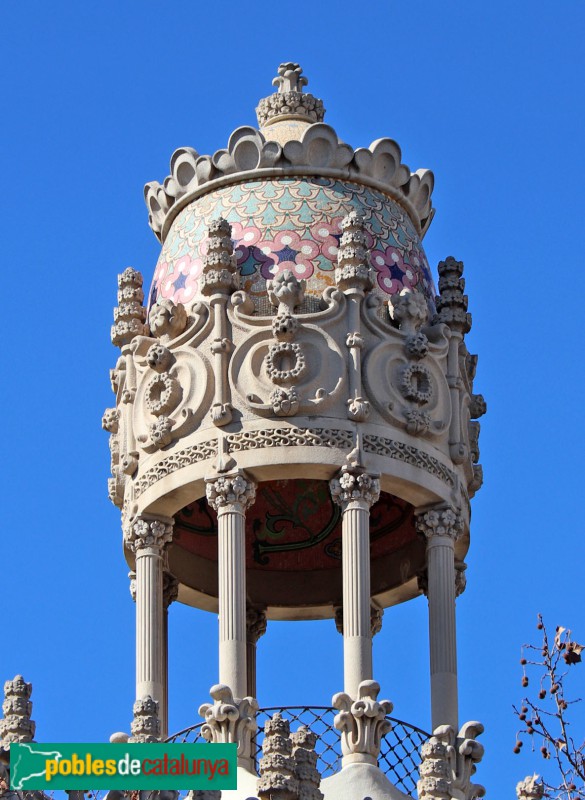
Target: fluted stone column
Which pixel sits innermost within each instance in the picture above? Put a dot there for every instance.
(149, 537)
(442, 526)
(356, 491)
(255, 628)
(170, 594)
(230, 495)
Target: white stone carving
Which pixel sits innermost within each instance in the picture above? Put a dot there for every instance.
(278, 780)
(355, 486)
(228, 719)
(167, 319)
(16, 725)
(230, 490)
(130, 315)
(362, 721)
(531, 788)
(146, 724)
(448, 763)
(289, 102)
(148, 533)
(305, 758)
(442, 521)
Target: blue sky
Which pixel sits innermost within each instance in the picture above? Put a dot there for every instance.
(95, 97)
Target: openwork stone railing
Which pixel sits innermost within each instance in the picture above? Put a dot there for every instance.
(399, 753)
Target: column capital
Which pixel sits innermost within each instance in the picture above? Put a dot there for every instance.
(230, 719)
(354, 485)
(255, 624)
(146, 532)
(442, 521)
(376, 615)
(230, 490)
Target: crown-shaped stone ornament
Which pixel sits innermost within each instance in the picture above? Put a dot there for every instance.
(289, 102)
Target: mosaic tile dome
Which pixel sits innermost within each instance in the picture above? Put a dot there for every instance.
(292, 223)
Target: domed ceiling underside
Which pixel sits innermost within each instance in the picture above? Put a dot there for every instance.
(293, 545)
(292, 224)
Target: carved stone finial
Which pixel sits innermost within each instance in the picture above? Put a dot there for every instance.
(228, 719)
(167, 319)
(444, 521)
(452, 302)
(362, 721)
(353, 270)
(229, 490)
(277, 780)
(148, 533)
(410, 310)
(448, 762)
(16, 726)
(290, 102)
(130, 314)
(220, 275)
(255, 624)
(146, 724)
(355, 485)
(531, 788)
(305, 759)
(286, 292)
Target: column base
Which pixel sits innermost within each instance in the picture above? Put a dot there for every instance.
(358, 782)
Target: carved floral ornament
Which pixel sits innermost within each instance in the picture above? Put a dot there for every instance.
(230, 490)
(143, 533)
(362, 720)
(355, 487)
(448, 763)
(229, 719)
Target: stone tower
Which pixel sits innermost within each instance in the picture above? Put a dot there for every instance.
(294, 435)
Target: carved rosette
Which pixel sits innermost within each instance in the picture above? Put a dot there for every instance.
(230, 491)
(362, 721)
(167, 319)
(445, 521)
(278, 780)
(145, 726)
(16, 725)
(531, 788)
(355, 486)
(448, 762)
(305, 759)
(149, 533)
(130, 314)
(229, 720)
(289, 102)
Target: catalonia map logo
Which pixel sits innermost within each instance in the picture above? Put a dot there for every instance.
(129, 767)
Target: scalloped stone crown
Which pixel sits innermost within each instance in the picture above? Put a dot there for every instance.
(293, 142)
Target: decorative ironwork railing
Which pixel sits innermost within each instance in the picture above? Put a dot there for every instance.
(399, 753)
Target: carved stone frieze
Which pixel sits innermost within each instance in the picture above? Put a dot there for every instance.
(16, 725)
(448, 763)
(228, 719)
(145, 726)
(362, 721)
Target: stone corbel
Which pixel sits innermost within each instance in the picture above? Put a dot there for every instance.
(229, 719)
(362, 722)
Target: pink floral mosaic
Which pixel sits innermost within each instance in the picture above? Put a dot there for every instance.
(292, 224)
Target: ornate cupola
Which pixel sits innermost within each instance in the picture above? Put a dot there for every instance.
(293, 439)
